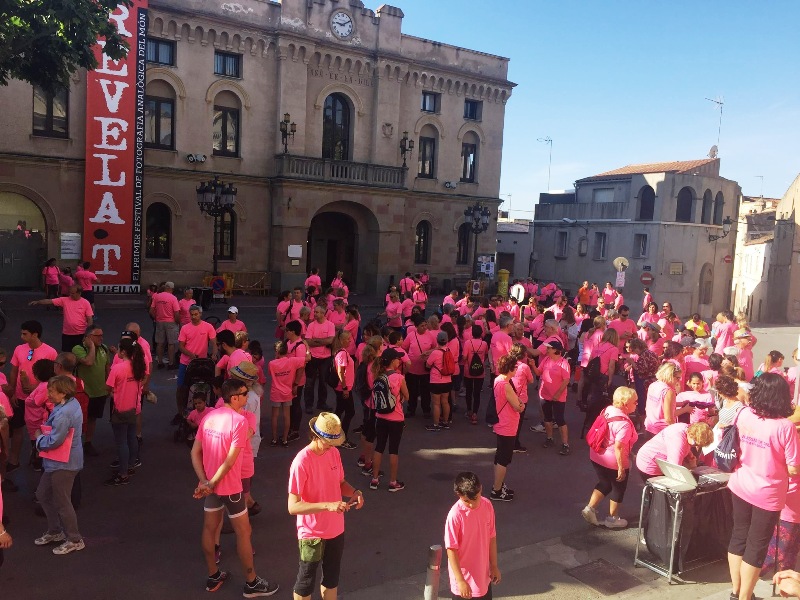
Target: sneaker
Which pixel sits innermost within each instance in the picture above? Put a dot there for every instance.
(348, 445)
(373, 484)
(89, 450)
(260, 588)
(520, 449)
(68, 547)
(215, 582)
(507, 490)
(549, 443)
(49, 538)
(361, 461)
(396, 486)
(590, 515)
(433, 427)
(117, 480)
(501, 496)
(136, 464)
(293, 435)
(367, 472)
(445, 424)
(274, 444)
(285, 443)
(565, 451)
(114, 464)
(615, 522)
(537, 428)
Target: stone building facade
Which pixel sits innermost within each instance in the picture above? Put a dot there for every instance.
(220, 77)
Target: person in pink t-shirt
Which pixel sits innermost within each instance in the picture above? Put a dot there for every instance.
(420, 298)
(625, 327)
(345, 369)
(674, 445)
(217, 462)
(418, 345)
(389, 426)
(37, 405)
(314, 280)
(769, 455)
(613, 462)
(554, 374)
(394, 312)
(471, 541)
(508, 407)
(440, 383)
(283, 373)
(86, 279)
(232, 323)
(726, 330)
(78, 316)
(660, 409)
(50, 274)
(194, 340)
(184, 304)
(319, 337)
(165, 310)
(474, 370)
(316, 487)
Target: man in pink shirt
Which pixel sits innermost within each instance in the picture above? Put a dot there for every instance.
(232, 323)
(319, 337)
(166, 312)
(217, 461)
(86, 279)
(418, 345)
(297, 348)
(313, 280)
(501, 341)
(726, 331)
(625, 327)
(193, 342)
(407, 284)
(78, 316)
(184, 305)
(296, 304)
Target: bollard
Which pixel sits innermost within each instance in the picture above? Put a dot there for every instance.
(432, 581)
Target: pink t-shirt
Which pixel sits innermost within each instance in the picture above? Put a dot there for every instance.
(767, 447)
(194, 417)
(236, 357)
(725, 336)
(407, 306)
(221, 430)
(315, 281)
(395, 383)
(343, 359)
(85, 279)
(500, 346)
(294, 307)
(283, 312)
(322, 330)
(248, 462)
(127, 391)
(523, 376)
(196, 339)
(745, 358)
(791, 512)
(621, 431)
(472, 346)
(234, 327)
(318, 478)
(35, 410)
(352, 327)
(77, 314)
(434, 361)
(24, 365)
(654, 407)
(470, 532)
(420, 299)
(554, 373)
(589, 344)
(607, 352)
(394, 313)
(670, 444)
(51, 275)
(166, 305)
(337, 318)
(508, 417)
(415, 345)
(5, 404)
(298, 349)
(608, 296)
(694, 364)
(283, 371)
(184, 305)
(623, 327)
(65, 282)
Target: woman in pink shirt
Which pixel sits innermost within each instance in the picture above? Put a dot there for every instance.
(389, 427)
(368, 356)
(474, 370)
(553, 372)
(613, 463)
(345, 369)
(650, 315)
(769, 455)
(440, 383)
(283, 373)
(420, 298)
(394, 312)
(673, 444)
(51, 273)
(313, 279)
(508, 407)
(125, 383)
(608, 352)
(773, 363)
(660, 409)
(282, 312)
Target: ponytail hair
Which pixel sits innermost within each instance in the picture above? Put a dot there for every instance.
(136, 355)
(773, 358)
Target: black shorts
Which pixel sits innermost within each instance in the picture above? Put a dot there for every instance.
(554, 412)
(752, 531)
(331, 560)
(391, 431)
(441, 388)
(505, 450)
(97, 406)
(18, 420)
(234, 504)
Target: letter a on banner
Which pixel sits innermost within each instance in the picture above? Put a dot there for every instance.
(112, 222)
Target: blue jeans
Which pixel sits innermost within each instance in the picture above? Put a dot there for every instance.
(127, 445)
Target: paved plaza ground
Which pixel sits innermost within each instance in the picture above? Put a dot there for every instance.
(142, 540)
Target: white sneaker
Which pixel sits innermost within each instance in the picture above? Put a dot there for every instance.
(49, 538)
(537, 428)
(68, 547)
(615, 522)
(590, 515)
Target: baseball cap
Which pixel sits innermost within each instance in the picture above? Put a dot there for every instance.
(555, 345)
(233, 309)
(441, 337)
(169, 285)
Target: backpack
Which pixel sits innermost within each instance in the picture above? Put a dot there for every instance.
(382, 396)
(448, 363)
(727, 454)
(597, 436)
(476, 366)
(362, 384)
(592, 371)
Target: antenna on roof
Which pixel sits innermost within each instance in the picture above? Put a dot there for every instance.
(713, 152)
(719, 101)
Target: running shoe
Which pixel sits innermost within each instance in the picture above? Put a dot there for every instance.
(49, 538)
(215, 582)
(501, 496)
(373, 484)
(361, 461)
(259, 588)
(549, 443)
(565, 451)
(68, 547)
(537, 428)
(117, 480)
(506, 489)
(615, 522)
(348, 445)
(285, 443)
(396, 486)
(520, 449)
(590, 515)
(433, 427)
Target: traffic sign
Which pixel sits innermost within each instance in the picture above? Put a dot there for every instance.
(728, 259)
(646, 278)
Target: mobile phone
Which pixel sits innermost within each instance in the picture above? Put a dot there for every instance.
(353, 503)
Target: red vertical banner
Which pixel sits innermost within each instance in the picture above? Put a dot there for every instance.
(112, 222)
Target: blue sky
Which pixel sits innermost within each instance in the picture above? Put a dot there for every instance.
(623, 82)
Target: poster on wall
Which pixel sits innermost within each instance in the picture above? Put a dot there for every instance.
(112, 227)
(486, 265)
(70, 246)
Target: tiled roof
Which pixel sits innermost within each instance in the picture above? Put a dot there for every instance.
(761, 239)
(677, 166)
(507, 227)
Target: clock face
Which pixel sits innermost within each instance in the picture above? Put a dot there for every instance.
(342, 24)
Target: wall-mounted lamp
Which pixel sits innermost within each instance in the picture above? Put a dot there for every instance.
(288, 129)
(406, 146)
(574, 223)
(726, 229)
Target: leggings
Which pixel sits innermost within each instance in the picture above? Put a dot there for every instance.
(607, 483)
(473, 389)
(345, 410)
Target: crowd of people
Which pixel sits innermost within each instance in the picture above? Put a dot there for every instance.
(651, 387)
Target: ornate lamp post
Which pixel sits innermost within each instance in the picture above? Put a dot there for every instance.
(214, 198)
(477, 217)
(406, 147)
(288, 129)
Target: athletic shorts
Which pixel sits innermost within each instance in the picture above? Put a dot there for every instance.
(441, 388)
(234, 504)
(505, 449)
(166, 331)
(97, 406)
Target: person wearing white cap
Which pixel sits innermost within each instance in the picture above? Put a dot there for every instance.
(165, 310)
(233, 323)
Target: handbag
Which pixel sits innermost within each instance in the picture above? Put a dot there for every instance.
(125, 417)
(727, 454)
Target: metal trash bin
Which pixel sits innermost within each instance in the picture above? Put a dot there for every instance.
(203, 296)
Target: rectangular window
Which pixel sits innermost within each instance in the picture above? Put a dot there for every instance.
(599, 246)
(640, 245)
(473, 110)
(227, 64)
(430, 102)
(161, 52)
(225, 132)
(427, 157)
(561, 244)
(469, 155)
(227, 235)
(603, 195)
(159, 123)
(50, 113)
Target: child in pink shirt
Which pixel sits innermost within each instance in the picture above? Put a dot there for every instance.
(65, 281)
(703, 407)
(198, 414)
(283, 370)
(38, 406)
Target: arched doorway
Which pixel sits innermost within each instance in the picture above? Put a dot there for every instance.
(706, 295)
(23, 246)
(344, 236)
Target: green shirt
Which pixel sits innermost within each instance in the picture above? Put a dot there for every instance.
(94, 377)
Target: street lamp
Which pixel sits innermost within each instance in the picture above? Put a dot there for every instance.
(214, 198)
(288, 129)
(406, 147)
(477, 217)
(726, 229)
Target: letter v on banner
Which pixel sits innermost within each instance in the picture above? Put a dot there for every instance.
(112, 210)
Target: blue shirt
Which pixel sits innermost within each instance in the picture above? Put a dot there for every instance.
(64, 416)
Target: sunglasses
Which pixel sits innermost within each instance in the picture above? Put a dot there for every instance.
(30, 354)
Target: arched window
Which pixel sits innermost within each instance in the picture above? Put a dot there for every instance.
(647, 203)
(426, 152)
(705, 214)
(158, 221)
(469, 157)
(227, 235)
(462, 251)
(336, 128)
(159, 116)
(227, 127)
(422, 243)
(684, 213)
(719, 205)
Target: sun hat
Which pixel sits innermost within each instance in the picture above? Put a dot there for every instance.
(245, 371)
(327, 427)
(654, 326)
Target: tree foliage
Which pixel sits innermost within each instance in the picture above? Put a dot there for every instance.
(45, 41)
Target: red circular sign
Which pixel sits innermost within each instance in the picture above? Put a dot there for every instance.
(646, 278)
(728, 259)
